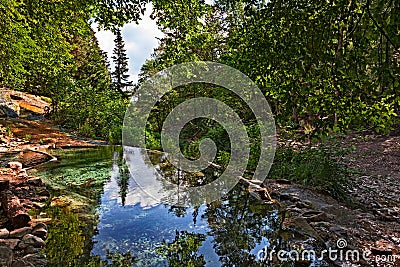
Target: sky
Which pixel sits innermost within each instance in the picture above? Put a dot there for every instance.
(140, 41)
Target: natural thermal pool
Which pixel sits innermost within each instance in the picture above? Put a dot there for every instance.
(101, 213)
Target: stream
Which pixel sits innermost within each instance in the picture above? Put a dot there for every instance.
(101, 217)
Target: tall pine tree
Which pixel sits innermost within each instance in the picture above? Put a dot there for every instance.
(120, 74)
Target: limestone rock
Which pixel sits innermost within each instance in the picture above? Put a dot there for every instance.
(31, 240)
(11, 243)
(15, 165)
(9, 109)
(4, 233)
(40, 231)
(18, 233)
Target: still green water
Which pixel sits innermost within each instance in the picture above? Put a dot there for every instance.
(105, 220)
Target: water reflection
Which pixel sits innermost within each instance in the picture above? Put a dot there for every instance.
(223, 233)
(228, 232)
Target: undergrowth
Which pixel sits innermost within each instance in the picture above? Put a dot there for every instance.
(315, 167)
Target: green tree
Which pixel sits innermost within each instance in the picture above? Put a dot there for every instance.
(120, 74)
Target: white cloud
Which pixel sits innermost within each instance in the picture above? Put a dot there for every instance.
(140, 41)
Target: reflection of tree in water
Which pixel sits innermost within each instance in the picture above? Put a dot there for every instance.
(183, 250)
(240, 226)
(123, 176)
(178, 211)
(238, 223)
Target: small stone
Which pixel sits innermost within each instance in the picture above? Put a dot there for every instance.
(294, 198)
(44, 192)
(4, 233)
(40, 225)
(15, 165)
(321, 224)
(302, 205)
(40, 232)
(32, 250)
(22, 173)
(18, 233)
(35, 259)
(41, 220)
(283, 181)
(338, 230)
(315, 216)
(31, 240)
(41, 199)
(39, 205)
(11, 243)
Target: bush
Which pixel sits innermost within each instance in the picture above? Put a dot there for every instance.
(314, 167)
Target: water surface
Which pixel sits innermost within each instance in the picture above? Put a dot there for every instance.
(107, 215)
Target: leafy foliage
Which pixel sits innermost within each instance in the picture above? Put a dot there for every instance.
(111, 14)
(323, 66)
(49, 49)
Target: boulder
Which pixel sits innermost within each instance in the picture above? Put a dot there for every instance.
(14, 209)
(35, 181)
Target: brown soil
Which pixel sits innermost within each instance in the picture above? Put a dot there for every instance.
(34, 133)
(30, 134)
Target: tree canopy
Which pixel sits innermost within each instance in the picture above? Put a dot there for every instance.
(323, 66)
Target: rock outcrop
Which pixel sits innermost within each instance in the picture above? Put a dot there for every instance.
(21, 238)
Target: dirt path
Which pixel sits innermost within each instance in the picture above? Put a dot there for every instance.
(372, 224)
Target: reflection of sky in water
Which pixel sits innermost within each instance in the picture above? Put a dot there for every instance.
(142, 224)
(230, 227)
(140, 228)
